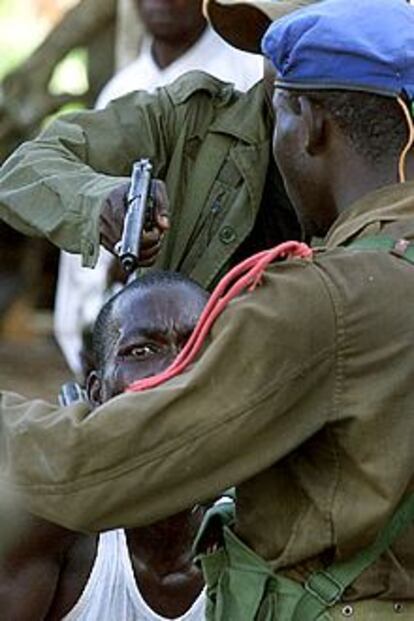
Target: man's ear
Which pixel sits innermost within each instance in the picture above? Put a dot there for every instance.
(314, 121)
(94, 388)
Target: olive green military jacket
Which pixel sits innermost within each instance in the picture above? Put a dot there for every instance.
(210, 143)
(303, 398)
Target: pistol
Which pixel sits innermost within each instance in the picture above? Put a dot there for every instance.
(139, 215)
(70, 393)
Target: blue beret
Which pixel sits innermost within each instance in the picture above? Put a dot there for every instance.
(363, 45)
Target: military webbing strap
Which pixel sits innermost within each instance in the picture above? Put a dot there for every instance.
(401, 248)
(325, 588)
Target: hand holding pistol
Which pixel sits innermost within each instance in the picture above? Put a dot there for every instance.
(112, 221)
(139, 215)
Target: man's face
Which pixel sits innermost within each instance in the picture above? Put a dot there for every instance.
(171, 20)
(151, 326)
(303, 166)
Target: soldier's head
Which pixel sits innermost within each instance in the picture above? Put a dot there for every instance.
(140, 331)
(175, 21)
(343, 102)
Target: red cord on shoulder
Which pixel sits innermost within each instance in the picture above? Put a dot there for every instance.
(245, 276)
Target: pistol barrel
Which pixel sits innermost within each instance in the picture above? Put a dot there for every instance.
(138, 197)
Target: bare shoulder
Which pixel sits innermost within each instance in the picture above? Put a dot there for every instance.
(30, 570)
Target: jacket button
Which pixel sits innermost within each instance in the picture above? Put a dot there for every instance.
(227, 235)
(398, 608)
(347, 611)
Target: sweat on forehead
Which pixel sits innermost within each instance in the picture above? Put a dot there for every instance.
(159, 285)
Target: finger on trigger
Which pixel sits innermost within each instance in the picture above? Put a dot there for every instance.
(149, 251)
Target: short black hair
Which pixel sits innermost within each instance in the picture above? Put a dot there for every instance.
(105, 326)
(374, 124)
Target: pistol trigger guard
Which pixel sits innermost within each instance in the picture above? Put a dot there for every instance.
(117, 248)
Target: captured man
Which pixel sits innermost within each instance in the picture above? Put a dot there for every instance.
(138, 574)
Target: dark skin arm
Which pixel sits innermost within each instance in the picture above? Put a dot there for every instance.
(30, 572)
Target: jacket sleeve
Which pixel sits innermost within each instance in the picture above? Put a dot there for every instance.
(263, 385)
(54, 186)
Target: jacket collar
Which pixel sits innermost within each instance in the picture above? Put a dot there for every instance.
(389, 204)
(248, 119)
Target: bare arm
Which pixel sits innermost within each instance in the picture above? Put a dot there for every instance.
(30, 569)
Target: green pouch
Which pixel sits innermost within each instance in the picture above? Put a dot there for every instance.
(235, 577)
(241, 586)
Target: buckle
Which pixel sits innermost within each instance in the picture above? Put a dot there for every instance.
(324, 587)
(400, 247)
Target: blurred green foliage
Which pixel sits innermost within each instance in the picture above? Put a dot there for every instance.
(21, 33)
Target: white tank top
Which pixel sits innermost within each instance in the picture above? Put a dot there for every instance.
(112, 594)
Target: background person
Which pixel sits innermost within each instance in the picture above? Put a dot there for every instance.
(178, 39)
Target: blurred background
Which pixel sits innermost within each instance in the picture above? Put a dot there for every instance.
(55, 55)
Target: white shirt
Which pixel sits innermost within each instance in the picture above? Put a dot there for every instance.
(210, 54)
(80, 291)
(112, 594)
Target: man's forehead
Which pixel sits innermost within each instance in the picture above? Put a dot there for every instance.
(145, 309)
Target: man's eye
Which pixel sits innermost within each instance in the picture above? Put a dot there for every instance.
(141, 351)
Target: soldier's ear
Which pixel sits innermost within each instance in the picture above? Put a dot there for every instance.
(94, 388)
(314, 127)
